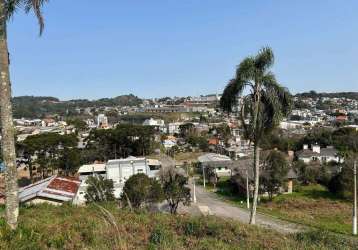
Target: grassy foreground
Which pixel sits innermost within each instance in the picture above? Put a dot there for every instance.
(69, 227)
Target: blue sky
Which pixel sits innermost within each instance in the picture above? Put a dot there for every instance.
(92, 49)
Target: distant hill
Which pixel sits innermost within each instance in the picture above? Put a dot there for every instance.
(39, 106)
(314, 94)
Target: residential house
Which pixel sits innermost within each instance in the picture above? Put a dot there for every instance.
(243, 172)
(54, 190)
(216, 164)
(119, 171)
(316, 153)
(158, 124)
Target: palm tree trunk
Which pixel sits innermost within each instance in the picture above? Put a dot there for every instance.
(256, 154)
(8, 137)
(256, 178)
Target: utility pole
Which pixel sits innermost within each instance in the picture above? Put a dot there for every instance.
(203, 175)
(355, 199)
(194, 191)
(247, 189)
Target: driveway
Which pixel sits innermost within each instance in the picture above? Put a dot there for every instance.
(210, 203)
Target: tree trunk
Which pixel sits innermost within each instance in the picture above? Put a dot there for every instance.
(256, 187)
(30, 171)
(257, 97)
(8, 137)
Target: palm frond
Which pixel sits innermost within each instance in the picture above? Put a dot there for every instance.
(36, 7)
(246, 70)
(232, 90)
(281, 93)
(11, 7)
(264, 59)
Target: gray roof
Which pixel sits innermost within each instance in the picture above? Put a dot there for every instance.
(323, 152)
(211, 157)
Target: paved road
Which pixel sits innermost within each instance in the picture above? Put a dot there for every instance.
(210, 203)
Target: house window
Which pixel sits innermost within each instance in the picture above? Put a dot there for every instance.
(154, 167)
(139, 170)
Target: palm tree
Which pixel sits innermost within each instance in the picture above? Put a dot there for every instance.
(7, 9)
(265, 104)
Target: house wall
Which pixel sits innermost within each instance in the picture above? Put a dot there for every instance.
(39, 200)
(321, 159)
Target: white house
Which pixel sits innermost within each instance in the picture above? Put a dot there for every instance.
(91, 169)
(217, 163)
(119, 171)
(157, 123)
(173, 127)
(316, 153)
(85, 171)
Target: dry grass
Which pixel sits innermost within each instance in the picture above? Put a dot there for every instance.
(68, 227)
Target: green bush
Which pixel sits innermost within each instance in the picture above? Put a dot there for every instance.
(140, 190)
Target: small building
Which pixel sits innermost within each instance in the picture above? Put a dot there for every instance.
(158, 124)
(154, 166)
(54, 190)
(119, 171)
(102, 121)
(220, 165)
(91, 169)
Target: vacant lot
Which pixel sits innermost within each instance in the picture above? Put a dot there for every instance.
(310, 205)
(314, 206)
(68, 227)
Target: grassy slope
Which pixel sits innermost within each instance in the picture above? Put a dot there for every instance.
(314, 206)
(68, 227)
(310, 205)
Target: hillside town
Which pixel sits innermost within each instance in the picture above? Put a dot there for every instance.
(185, 130)
(178, 125)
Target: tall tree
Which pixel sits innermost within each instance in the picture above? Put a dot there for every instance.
(265, 104)
(7, 9)
(275, 171)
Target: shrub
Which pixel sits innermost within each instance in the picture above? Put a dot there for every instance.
(275, 172)
(139, 190)
(175, 189)
(99, 189)
(342, 184)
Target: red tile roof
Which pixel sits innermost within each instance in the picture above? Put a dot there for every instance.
(66, 184)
